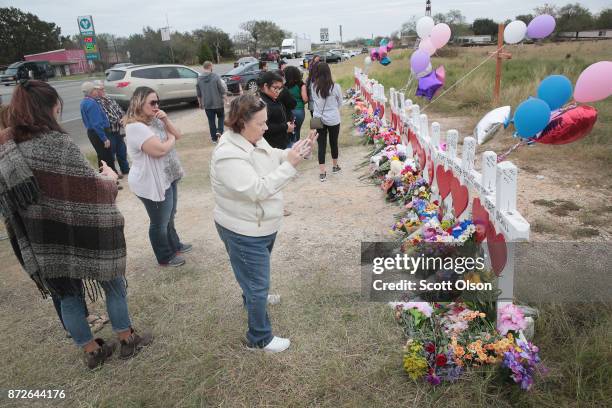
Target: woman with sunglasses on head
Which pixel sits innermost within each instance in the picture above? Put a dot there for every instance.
(155, 172)
(280, 126)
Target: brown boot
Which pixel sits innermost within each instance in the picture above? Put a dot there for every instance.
(134, 343)
(96, 358)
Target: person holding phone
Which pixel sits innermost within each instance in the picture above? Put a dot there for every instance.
(247, 175)
(155, 172)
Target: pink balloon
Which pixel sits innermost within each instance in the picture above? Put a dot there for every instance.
(390, 46)
(441, 74)
(427, 46)
(382, 51)
(595, 83)
(440, 35)
(374, 54)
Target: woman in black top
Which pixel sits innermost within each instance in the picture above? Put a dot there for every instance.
(280, 126)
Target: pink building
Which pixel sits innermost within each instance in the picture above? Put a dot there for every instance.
(65, 62)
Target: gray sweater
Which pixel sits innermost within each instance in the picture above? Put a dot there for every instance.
(328, 109)
(211, 89)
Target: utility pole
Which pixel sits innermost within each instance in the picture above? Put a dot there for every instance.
(428, 8)
(115, 47)
(341, 36)
(167, 28)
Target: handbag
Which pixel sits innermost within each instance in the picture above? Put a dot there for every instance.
(317, 123)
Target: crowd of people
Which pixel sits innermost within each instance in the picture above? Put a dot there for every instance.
(68, 234)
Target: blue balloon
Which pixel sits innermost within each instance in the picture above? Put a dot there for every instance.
(384, 42)
(385, 61)
(531, 117)
(555, 90)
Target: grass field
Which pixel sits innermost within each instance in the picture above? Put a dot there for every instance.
(473, 97)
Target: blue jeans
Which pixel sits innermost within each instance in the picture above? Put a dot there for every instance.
(215, 128)
(119, 151)
(250, 259)
(74, 312)
(163, 236)
(299, 119)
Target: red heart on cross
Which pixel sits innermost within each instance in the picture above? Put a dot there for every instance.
(480, 218)
(460, 195)
(422, 157)
(430, 170)
(443, 177)
(497, 249)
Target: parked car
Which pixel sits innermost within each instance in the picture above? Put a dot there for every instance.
(365, 50)
(272, 54)
(244, 61)
(118, 65)
(173, 83)
(40, 70)
(354, 53)
(330, 57)
(245, 76)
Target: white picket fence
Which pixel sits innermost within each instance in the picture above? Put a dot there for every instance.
(488, 196)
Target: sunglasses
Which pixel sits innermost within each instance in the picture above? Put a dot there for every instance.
(154, 103)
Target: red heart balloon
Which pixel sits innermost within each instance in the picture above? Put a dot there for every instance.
(497, 249)
(461, 195)
(570, 126)
(480, 218)
(443, 178)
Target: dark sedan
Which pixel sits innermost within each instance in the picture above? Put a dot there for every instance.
(245, 77)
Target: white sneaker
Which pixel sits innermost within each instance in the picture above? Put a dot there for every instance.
(277, 345)
(274, 299)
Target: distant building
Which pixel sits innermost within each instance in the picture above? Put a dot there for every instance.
(473, 40)
(587, 35)
(65, 62)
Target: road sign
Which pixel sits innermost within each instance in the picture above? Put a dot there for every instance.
(324, 35)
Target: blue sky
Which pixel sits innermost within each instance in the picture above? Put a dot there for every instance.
(358, 18)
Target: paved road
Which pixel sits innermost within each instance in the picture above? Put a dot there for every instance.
(70, 92)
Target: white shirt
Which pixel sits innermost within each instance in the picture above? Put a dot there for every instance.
(150, 176)
(247, 181)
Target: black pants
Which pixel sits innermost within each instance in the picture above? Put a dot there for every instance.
(333, 131)
(102, 152)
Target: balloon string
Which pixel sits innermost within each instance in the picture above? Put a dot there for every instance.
(463, 77)
(503, 156)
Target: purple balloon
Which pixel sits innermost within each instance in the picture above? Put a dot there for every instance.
(419, 61)
(428, 85)
(542, 26)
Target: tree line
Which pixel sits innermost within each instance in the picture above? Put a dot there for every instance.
(24, 33)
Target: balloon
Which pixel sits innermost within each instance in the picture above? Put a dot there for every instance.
(385, 61)
(440, 35)
(374, 54)
(382, 51)
(367, 61)
(428, 85)
(515, 32)
(424, 26)
(491, 123)
(390, 46)
(383, 42)
(419, 61)
(531, 117)
(427, 46)
(594, 83)
(555, 90)
(571, 125)
(542, 26)
(424, 73)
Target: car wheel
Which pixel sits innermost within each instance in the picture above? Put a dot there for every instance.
(251, 86)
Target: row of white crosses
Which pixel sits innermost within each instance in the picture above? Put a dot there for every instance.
(493, 189)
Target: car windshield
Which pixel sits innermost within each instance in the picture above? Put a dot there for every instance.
(15, 65)
(11, 71)
(240, 69)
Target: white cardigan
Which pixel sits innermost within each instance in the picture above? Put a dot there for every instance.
(247, 182)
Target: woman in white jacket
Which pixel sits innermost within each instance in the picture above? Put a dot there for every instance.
(247, 176)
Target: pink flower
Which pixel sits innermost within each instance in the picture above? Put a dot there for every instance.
(510, 317)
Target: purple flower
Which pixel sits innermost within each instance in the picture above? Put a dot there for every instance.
(433, 379)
